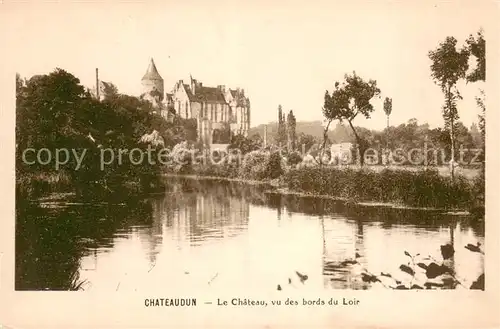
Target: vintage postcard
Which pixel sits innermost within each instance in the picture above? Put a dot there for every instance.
(253, 164)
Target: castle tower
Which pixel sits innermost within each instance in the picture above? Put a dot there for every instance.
(152, 84)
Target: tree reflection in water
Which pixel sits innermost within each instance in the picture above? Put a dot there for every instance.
(50, 242)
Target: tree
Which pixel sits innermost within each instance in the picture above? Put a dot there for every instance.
(108, 90)
(48, 110)
(477, 48)
(291, 133)
(476, 135)
(306, 141)
(388, 108)
(244, 144)
(346, 102)
(281, 137)
(55, 111)
(449, 65)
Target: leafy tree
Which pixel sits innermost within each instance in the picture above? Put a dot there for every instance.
(482, 122)
(449, 65)
(55, 111)
(179, 130)
(306, 141)
(273, 167)
(477, 48)
(347, 101)
(48, 111)
(108, 90)
(256, 140)
(244, 144)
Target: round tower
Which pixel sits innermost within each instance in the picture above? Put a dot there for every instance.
(152, 83)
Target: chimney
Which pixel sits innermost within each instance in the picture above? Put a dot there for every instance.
(193, 86)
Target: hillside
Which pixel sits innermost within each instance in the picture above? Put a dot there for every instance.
(338, 133)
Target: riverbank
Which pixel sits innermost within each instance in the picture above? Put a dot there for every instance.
(271, 183)
(53, 188)
(280, 186)
(424, 189)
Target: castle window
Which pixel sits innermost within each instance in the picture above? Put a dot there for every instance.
(187, 117)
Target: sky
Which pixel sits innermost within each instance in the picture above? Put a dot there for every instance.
(280, 52)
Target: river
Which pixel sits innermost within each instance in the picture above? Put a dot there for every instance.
(209, 235)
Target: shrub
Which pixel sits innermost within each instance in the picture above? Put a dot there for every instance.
(227, 170)
(273, 166)
(424, 188)
(254, 165)
(33, 185)
(294, 158)
(243, 144)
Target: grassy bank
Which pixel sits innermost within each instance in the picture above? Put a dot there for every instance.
(36, 186)
(425, 188)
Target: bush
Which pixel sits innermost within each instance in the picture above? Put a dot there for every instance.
(254, 165)
(294, 158)
(34, 185)
(273, 166)
(227, 170)
(424, 188)
(244, 144)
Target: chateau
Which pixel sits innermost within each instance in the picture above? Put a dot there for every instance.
(215, 109)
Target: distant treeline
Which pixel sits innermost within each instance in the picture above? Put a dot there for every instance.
(406, 136)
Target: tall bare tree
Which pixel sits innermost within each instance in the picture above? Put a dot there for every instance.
(388, 108)
(291, 124)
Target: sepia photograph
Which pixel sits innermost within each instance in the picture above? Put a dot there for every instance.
(242, 150)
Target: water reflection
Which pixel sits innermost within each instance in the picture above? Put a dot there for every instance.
(208, 235)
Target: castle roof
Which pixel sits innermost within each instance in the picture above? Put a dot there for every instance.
(240, 98)
(197, 92)
(152, 72)
(205, 94)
